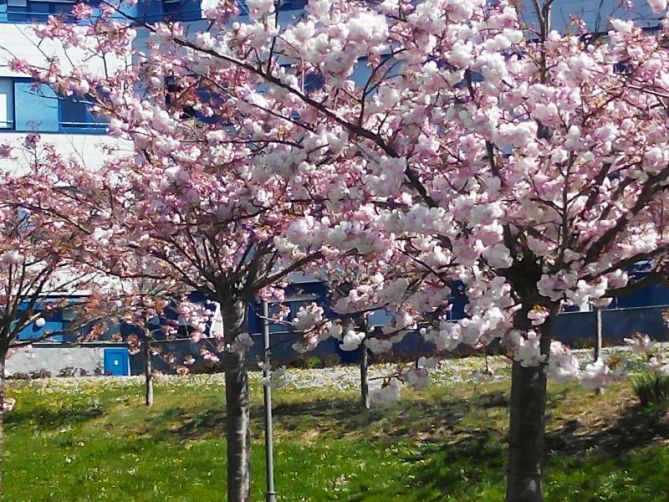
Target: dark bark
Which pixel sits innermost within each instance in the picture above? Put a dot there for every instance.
(364, 385)
(526, 434)
(237, 405)
(148, 372)
(527, 421)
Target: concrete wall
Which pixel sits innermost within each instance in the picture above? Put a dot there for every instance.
(56, 359)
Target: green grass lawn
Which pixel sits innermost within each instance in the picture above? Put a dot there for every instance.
(94, 440)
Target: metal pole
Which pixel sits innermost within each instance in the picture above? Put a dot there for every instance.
(598, 334)
(598, 340)
(270, 495)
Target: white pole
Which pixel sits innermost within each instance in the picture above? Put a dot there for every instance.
(270, 495)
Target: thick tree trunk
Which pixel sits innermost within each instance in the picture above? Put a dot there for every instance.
(526, 434)
(148, 372)
(527, 422)
(237, 405)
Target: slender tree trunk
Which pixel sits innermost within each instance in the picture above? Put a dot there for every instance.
(364, 386)
(527, 422)
(148, 372)
(237, 405)
(362, 325)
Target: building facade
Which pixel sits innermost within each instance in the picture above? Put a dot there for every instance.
(73, 127)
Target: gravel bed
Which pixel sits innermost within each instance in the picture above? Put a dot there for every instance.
(468, 370)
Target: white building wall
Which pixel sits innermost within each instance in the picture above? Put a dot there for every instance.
(87, 148)
(20, 41)
(56, 359)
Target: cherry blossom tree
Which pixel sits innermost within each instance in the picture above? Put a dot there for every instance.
(204, 224)
(368, 308)
(527, 164)
(38, 270)
(144, 302)
(202, 199)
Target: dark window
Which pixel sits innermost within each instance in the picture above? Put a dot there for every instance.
(76, 114)
(620, 67)
(293, 4)
(37, 11)
(313, 81)
(185, 96)
(171, 8)
(182, 10)
(285, 5)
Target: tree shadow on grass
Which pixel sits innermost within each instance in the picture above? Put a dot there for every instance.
(210, 423)
(456, 468)
(53, 418)
(338, 418)
(635, 428)
(341, 417)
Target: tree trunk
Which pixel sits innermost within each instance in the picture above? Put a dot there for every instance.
(526, 434)
(362, 325)
(527, 422)
(148, 372)
(364, 386)
(237, 405)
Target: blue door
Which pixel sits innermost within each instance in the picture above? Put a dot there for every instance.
(117, 362)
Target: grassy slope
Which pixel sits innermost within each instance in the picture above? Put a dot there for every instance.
(95, 441)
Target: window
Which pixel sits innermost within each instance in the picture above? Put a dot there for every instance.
(35, 10)
(293, 5)
(182, 10)
(35, 107)
(6, 104)
(26, 106)
(180, 93)
(313, 81)
(285, 5)
(171, 7)
(76, 115)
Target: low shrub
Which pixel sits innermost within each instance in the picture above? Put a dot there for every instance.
(652, 389)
